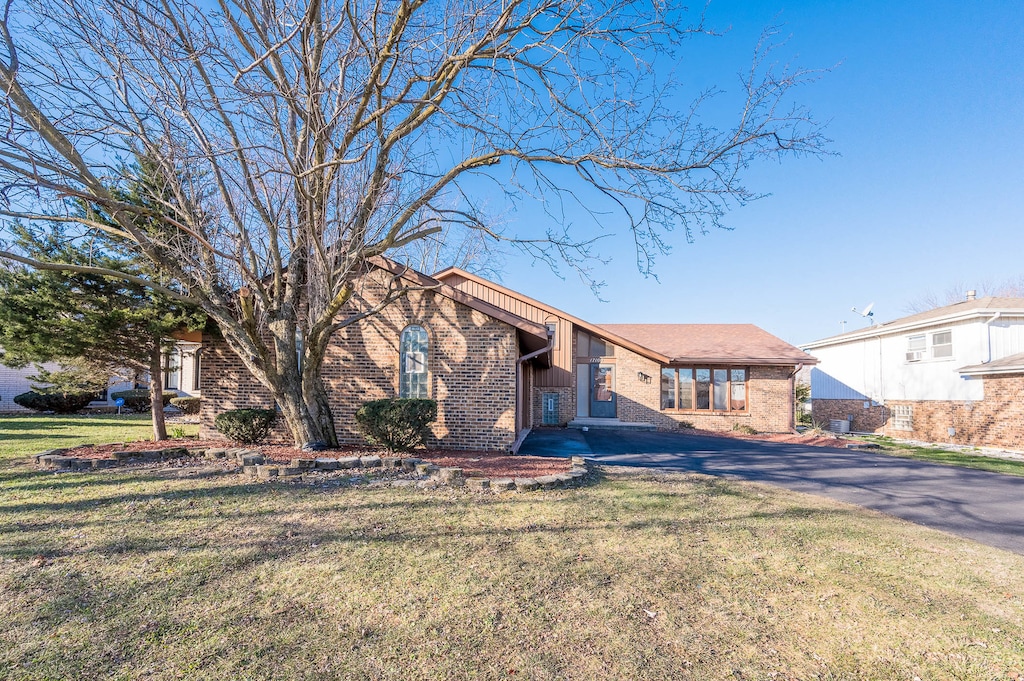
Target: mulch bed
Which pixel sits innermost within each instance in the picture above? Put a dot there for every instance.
(473, 464)
(789, 438)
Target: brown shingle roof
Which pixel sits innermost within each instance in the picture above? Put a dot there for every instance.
(712, 343)
(1007, 365)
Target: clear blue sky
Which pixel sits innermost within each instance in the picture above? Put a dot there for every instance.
(926, 109)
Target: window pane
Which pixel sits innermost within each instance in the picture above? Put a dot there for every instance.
(915, 343)
(738, 381)
(668, 388)
(412, 367)
(686, 388)
(582, 344)
(942, 344)
(721, 380)
(599, 348)
(603, 388)
(703, 388)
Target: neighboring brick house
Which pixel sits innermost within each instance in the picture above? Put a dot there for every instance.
(499, 363)
(953, 374)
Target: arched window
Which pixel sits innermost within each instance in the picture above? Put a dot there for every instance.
(412, 369)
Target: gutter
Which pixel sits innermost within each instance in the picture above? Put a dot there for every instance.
(792, 401)
(988, 335)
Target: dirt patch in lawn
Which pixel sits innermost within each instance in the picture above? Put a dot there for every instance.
(473, 463)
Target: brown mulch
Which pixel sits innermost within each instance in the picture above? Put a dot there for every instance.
(473, 463)
(826, 440)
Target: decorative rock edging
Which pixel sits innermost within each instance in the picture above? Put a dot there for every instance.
(57, 459)
(255, 465)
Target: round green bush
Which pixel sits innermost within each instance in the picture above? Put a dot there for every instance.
(247, 426)
(397, 424)
(138, 399)
(188, 405)
(59, 403)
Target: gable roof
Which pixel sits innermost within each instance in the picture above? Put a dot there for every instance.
(1012, 364)
(668, 343)
(964, 310)
(713, 343)
(581, 323)
(534, 336)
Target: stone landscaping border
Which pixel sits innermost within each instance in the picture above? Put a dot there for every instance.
(255, 465)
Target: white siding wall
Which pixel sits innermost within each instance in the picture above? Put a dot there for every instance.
(1007, 337)
(14, 382)
(878, 368)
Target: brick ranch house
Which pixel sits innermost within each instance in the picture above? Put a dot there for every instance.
(499, 363)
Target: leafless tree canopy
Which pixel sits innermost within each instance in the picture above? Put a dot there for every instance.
(955, 293)
(296, 139)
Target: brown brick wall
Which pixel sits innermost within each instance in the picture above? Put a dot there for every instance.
(472, 368)
(769, 395)
(995, 421)
(865, 419)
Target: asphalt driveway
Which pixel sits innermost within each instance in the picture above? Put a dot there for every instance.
(986, 507)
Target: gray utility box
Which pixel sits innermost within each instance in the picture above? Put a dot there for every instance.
(550, 409)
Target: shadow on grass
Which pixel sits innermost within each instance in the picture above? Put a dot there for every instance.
(252, 523)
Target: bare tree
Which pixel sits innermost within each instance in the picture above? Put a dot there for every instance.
(296, 139)
(957, 292)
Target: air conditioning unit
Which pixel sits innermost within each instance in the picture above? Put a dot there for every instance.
(915, 355)
(839, 425)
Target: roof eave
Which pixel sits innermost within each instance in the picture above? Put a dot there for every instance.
(884, 330)
(752, 361)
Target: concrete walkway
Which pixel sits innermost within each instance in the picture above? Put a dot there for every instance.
(986, 507)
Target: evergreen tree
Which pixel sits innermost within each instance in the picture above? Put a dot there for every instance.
(109, 324)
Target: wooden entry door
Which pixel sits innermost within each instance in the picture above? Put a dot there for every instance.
(602, 391)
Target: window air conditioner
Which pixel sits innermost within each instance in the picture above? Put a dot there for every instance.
(915, 355)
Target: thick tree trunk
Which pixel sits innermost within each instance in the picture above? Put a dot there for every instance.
(306, 412)
(156, 390)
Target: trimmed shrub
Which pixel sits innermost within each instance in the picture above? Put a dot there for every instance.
(138, 400)
(247, 426)
(188, 405)
(59, 403)
(397, 424)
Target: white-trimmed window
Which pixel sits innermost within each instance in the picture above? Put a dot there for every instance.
(942, 344)
(931, 345)
(916, 348)
(903, 417)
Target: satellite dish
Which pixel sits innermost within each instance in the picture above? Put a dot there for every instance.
(866, 313)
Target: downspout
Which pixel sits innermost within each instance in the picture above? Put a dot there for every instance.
(988, 335)
(792, 401)
(519, 388)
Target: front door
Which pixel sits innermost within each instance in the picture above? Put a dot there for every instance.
(602, 391)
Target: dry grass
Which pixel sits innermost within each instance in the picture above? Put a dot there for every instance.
(128, 575)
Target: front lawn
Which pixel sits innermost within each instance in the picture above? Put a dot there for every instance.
(945, 456)
(128, 574)
(22, 435)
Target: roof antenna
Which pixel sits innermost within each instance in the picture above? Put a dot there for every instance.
(867, 313)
